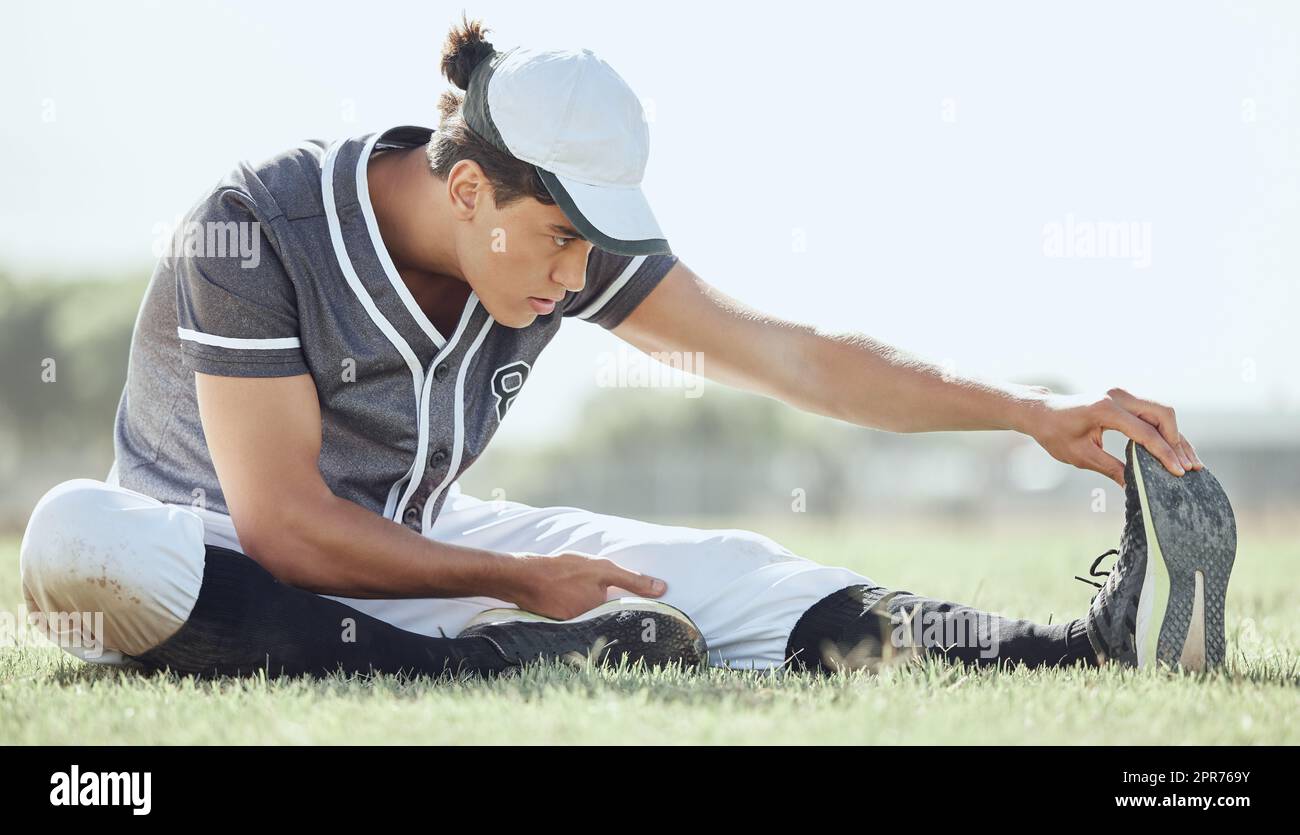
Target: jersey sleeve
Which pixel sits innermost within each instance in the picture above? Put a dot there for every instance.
(616, 284)
(237, 309)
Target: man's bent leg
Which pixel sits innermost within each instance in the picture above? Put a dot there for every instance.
(245, 620)
(95, 555)
(164, 598)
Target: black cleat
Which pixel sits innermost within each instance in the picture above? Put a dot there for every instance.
(630, 628)
(1163, 600)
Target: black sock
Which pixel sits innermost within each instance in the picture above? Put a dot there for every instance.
(868, 620)
(245, 620)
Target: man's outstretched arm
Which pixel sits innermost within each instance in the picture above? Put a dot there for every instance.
(854, 378)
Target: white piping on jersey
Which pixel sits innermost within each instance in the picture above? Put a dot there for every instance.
(610, 291)
(236, 343)
(422, 448)
(458, 444)
(363, 296)
(422, 382)
(377, 240)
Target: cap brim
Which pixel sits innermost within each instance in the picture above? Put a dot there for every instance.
(617, 220)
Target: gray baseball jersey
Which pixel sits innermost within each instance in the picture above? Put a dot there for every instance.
(281, 270)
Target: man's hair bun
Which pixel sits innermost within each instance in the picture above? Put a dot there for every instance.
(464, 50)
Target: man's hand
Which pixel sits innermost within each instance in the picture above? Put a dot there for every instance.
(566, 585)
(1069, 427)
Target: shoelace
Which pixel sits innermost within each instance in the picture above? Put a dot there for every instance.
(1093, 572)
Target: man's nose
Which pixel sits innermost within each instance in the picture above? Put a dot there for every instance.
(572, 274)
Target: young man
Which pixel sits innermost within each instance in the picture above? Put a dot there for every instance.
(298, 410)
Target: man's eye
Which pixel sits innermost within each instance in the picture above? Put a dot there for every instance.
(561, 242)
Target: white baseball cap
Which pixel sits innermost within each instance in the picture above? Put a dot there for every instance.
(569, 114)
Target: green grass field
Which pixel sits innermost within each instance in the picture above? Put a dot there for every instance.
(1022, 569)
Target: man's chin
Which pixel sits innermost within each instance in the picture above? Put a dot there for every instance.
(514, 318)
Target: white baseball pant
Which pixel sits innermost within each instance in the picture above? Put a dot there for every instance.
(93, 547)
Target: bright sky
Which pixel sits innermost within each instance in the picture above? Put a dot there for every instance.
(897, 169)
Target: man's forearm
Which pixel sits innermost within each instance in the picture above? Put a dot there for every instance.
(857, 379)
(332, 546)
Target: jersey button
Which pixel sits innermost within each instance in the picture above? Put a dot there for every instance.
(440, 373)
(438, 457)
(412, 515)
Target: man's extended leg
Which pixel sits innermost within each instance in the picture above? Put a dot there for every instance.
(755, 601)
(864, 625)
(1162, 602)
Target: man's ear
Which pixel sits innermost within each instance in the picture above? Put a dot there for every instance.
(467, 186)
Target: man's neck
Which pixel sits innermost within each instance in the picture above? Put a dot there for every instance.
(415, 232)
(416, 235)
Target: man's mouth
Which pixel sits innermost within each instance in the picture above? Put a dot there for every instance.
(541, 305)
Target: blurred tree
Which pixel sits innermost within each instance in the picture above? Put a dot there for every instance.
(65, 344)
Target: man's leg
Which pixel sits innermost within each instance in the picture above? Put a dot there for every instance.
(863, 625)
(127, 577)
(1189, 517)
(169, 598)
(743, 590)
(757, 604)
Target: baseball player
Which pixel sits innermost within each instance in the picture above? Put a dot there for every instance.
(339, 331)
